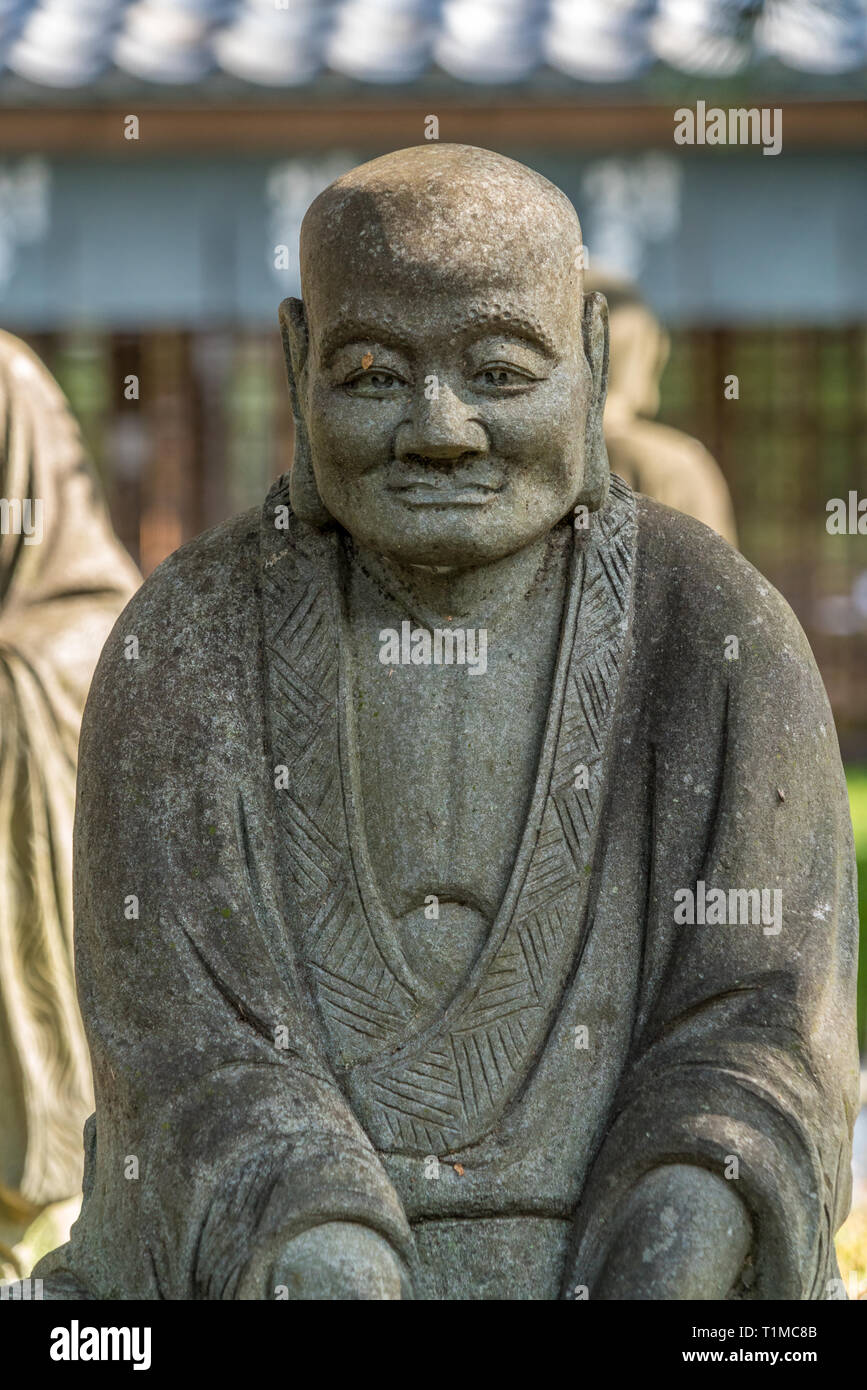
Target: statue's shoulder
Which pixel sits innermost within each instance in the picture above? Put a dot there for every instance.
(26, 381)
(16, 356)
(203, 589)
(691, 584)
(186, 641)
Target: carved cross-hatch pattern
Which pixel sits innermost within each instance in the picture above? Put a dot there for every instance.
(364, 1005)
(438, 1090)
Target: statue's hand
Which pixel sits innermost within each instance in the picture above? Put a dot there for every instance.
(339, 1260)
(684, 1233)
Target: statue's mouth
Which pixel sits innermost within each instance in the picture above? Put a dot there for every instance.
(424, 493)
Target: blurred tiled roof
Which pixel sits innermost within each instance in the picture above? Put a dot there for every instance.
(287, 43)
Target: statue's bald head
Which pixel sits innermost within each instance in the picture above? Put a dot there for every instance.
(474, 215)
(448, 372)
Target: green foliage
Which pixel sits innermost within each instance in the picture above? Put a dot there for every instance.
(856, 777)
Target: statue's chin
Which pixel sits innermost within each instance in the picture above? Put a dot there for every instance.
(441, 547)
(434, 553)
(438, 561)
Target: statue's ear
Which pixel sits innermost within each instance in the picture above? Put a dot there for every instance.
(293, 328)
(597, 472)
(303, 492)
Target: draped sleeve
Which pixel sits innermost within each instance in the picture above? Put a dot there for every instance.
(219, 1127)
(744, 1047)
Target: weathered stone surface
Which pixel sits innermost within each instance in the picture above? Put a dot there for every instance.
(310, 1084)
(64, 578)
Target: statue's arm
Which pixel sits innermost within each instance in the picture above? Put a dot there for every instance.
(683, 1233)
(741, 1082)
(209, 1073)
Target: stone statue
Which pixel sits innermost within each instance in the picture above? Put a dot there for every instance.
(63, 580)
(655, 459)
(407, 842)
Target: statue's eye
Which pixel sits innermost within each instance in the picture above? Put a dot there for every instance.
(500, 378)
(375, 382)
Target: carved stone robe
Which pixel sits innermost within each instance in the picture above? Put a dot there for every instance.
(260, 1048)
(61, 589)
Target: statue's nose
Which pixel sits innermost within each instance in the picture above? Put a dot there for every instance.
(441, 428)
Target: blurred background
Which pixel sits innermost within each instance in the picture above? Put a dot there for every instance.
(156, 159)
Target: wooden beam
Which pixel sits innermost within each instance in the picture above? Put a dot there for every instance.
(288, 127)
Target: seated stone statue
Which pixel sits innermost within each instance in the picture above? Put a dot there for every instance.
(64, 577)
(464, 877)
(655, 459)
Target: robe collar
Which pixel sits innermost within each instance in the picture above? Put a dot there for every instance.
(424, 1083)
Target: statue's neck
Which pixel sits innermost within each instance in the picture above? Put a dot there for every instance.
(475, 595)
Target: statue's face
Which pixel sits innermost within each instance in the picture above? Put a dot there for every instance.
(446, 404)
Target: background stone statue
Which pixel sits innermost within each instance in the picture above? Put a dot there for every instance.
(61, 588)
(655, 459)
(388, 978)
